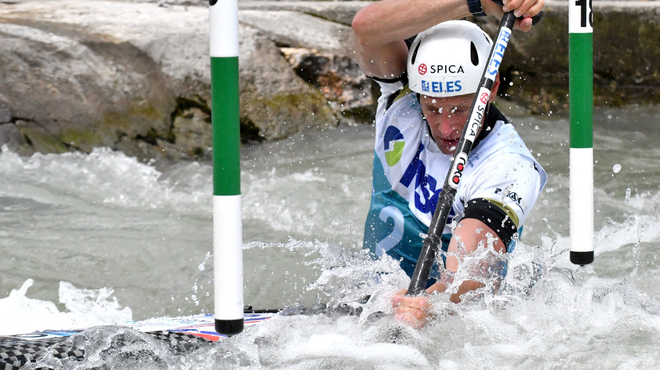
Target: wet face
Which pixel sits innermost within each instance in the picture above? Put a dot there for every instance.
(446, 118)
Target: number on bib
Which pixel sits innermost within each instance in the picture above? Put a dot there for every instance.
(397, 233)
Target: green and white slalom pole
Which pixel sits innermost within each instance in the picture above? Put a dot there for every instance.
(580, 52)
(227, 226)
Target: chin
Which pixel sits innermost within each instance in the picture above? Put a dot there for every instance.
(447, 147)
(447, 151)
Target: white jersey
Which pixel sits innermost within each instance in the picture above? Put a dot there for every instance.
(410, 170)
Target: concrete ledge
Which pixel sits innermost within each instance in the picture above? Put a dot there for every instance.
(335, 11)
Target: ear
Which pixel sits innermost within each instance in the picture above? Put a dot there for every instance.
(496, 85)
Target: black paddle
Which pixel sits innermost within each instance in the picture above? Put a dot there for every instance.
(433, 240)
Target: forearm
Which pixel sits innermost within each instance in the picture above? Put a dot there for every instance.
(381, 28)
(468, 236)
(466, 286)
(388, 21)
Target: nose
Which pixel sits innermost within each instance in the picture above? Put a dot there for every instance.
(448, 126)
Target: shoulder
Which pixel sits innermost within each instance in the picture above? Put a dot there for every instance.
(399, 117)
(399, 104)
(509, 178)
(390, 86)
(500, 137)
(504, 154)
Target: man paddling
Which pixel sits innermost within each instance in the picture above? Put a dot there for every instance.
(427, 90)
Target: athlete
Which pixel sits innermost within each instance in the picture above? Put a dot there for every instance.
(427, 91)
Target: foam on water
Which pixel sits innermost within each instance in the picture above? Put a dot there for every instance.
(104, 177)
(304, 199)
(84, 308)
(543, 316)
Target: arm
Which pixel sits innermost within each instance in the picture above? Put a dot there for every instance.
(471, 232)
(526, 185)
(381, 27)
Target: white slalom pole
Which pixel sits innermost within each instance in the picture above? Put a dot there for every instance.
(227, 226)
(580, 28)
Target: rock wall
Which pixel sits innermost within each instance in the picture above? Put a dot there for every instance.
(626, 58)
(134, 76)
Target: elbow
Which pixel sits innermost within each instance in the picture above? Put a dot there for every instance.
(358, 21)
(360, 26)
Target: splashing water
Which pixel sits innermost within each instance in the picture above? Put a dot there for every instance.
(85, 308)
(543, 314)
(106, 220)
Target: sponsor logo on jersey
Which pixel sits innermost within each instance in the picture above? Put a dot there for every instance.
(394, 143)
(427, 188)
(514, 197)
(442, 86)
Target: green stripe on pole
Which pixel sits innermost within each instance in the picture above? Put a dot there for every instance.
(581, 89)
(226, 126)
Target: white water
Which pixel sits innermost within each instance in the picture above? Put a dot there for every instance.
(106, 239)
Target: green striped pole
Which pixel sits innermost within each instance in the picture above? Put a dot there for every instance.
(227, 227)
(580, 52)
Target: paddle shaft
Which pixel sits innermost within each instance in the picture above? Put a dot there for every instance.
(433, 241)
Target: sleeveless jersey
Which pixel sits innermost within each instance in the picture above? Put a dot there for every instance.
(409, 171)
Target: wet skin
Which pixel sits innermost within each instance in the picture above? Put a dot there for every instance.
(447, 117)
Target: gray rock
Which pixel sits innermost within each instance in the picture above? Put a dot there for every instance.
(193, 133)
(39, 139)
(273, 97)
(175, 38)
(293, 29)
(626, 59)
(134, 75)
(347, 89)
(11, 136)
(5, 116)
(82, 92)
(121, 74)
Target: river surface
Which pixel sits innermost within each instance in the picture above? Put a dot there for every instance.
(100, 238)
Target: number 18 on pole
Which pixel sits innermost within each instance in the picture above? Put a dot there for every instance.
(580, 61)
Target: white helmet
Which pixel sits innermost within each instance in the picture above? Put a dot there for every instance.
(448, 59)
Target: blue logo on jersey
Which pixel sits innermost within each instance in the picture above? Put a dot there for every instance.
(427, 191)
(394, 143)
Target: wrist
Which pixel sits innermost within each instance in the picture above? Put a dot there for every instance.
(436, 288)
(475, 8)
